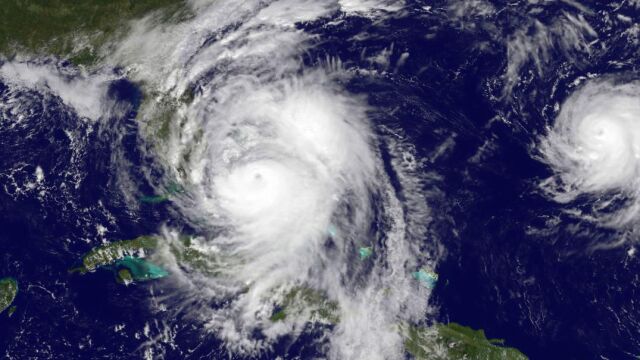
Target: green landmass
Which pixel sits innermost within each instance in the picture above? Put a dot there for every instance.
(453, 341)
(71, 28)
(303, 299)
(193, 259)
(154, 199)
(109, 253)
(124, 276)
(172, 189)
(438, 342)
(126, 259)
(8, 292)
(159, 112)
(84, 32)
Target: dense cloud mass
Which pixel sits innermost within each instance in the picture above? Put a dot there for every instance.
(594, 145)
(340, 179)
(285, 162)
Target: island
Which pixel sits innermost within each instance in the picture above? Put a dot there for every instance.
(125, 258)
(109, 253)
(130, 269)
(171, 190)
(307, 302)
(450, 341)
(365, 252)
(426, 277)
(453, 341)
(8, 292)
(191, 255)
(128, 258)
(154, 199)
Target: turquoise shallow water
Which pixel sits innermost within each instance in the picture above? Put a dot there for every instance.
(141, 269)
(517, 265)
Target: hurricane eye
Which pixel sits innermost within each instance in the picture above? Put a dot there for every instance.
(593, 145)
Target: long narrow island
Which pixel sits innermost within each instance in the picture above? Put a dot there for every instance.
(126, 258)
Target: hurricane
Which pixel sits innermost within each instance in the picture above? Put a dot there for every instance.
(319, 179)
(594, 149)
(283, 179)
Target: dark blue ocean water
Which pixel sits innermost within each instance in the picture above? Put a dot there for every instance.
(509, 267)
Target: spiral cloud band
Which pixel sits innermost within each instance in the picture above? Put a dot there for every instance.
(594, 146)
(283, 177)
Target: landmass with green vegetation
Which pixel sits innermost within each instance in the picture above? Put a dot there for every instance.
(74, 29)
(8, 292)
(456, 342)
(85, 33)
(127, 258)
(438, 342)
(170, 191)
(309, 302)
(192, 257)
(109, 253)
